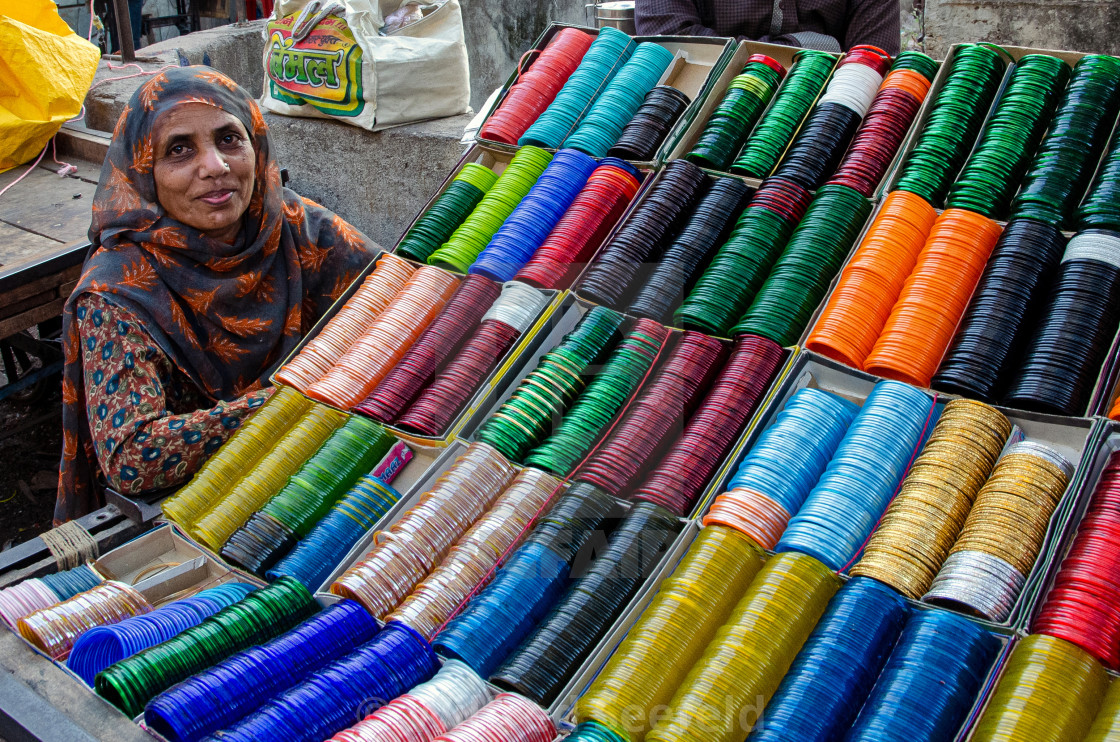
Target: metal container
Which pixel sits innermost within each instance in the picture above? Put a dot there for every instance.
(618, 14)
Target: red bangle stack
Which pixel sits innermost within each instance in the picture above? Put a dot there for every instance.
(655, 415)
(684, 472)
(423, 360)
(536, 88)
(1083, 607)
(438, 405)
(583, 227)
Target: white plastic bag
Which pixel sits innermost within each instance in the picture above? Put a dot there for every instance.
(327, 59)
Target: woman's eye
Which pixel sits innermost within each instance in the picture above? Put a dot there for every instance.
(231, 139)
(177, 149)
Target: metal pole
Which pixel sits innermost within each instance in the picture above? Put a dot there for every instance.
(124, 30)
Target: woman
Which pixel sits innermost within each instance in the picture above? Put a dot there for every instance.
(828, 25)
(203, 275)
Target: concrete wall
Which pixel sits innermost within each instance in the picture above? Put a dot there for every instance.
(1074, 25)
(499, 31)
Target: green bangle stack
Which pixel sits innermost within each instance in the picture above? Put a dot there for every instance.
(542, 398)
(1065, 161)
(954, 121)
(447, 212)
(601, 401)
(800, 279)
(746, 97)
(765, 145)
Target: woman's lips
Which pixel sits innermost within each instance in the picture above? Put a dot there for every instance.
(217, 198)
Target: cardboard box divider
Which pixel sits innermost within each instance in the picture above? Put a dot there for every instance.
(1072, 437)
(704, 58)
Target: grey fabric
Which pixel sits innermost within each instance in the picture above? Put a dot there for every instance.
(819, 41)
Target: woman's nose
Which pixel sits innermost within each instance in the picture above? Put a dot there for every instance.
(213, 162)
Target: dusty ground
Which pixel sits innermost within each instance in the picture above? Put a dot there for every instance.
(30, 444)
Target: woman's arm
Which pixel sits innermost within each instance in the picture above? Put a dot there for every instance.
(141, 444)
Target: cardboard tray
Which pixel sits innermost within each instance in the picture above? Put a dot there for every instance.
(1072, 437)
(703, 57)
(497, 158)
(563, 712)
(1107, 377)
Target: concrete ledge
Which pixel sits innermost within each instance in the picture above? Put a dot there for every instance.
(1071, 25)
(378, 181)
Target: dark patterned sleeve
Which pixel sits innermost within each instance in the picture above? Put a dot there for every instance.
(669, 18)
(141, 444)
(875, 22)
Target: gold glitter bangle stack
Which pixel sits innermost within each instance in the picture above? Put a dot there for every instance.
(241, 452)
(672, 632)
(989, 564)
(1106, 727)
(54, 630)
(720, 699)
(477, 552)
(917, 531)
(405, 554)
(267, 477)
(1049, 692)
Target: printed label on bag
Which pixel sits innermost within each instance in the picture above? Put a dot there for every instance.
(323, 69)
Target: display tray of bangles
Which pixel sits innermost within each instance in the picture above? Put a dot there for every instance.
(706, 252)
(528, 214)
(808, 116)
(966, 513)
(780, 647)
(411, 347)
(604, 93)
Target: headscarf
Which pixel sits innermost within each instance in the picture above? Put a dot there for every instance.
(224, 314)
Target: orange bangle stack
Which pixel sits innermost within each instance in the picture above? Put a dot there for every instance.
(931, 304)
(354, 318)
(871, 283)
(377, 350)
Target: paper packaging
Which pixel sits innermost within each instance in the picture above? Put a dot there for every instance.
(704, 59)
(1072, 437)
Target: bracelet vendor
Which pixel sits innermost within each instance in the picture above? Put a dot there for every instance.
(827, 25)
(204, 273)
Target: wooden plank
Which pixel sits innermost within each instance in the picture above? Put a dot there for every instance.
(24, 305)
(18, 245)
(62, 281)
(58, 208)
(23, 320)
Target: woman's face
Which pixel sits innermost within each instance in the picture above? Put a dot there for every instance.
(204, 168)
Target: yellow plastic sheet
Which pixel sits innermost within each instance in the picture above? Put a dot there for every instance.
(45, 71)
